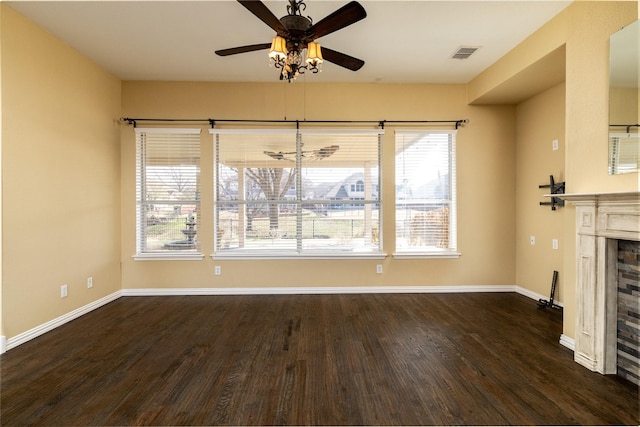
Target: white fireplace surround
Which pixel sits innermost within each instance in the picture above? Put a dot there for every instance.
(601, 220)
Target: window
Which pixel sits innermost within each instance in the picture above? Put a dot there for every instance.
(358, 186)
(167, 191)
(425, 193)
(623, 152)
(297, 193)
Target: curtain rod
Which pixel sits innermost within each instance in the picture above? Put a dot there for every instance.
(212, 122)
(626, 126)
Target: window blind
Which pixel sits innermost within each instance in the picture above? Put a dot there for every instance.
(297, 192)
(167, 190)
(425, 191)
(624, 152)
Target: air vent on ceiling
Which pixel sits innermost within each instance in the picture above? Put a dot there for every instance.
(464, 52)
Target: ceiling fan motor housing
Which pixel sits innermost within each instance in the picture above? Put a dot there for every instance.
(296, 26)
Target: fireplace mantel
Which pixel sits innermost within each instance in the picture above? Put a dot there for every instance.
(611, 196)
(601, 220)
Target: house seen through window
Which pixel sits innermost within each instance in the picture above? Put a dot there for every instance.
(281, 192)
(295, 192)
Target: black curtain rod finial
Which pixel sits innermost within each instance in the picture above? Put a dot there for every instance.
(461, 122)
(129, 121)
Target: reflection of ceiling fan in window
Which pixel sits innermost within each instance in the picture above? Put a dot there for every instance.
(290, 156)
(295, 33)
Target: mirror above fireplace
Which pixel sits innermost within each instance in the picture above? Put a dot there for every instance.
(624, 114)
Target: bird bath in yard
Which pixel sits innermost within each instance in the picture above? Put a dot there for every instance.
(190, 234)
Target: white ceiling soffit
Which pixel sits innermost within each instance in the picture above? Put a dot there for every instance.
(400, 41)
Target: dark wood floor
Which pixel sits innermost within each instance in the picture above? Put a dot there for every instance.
(310, 360)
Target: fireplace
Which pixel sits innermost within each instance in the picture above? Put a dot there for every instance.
(628, 310)
(602, 220)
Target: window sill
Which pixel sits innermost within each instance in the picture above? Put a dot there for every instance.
(427, 255)
(290, 256)
(196, 256)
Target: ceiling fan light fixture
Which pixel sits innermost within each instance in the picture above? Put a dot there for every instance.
(292, 67)
(314, 57)
(278, 51)
(296, 33)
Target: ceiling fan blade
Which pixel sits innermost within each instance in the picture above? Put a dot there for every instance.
(243, 49)
(342, 59)
(348, 14)
(264, 14)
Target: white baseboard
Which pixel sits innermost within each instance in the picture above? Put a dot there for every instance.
(568, 342)
(564, 340)
(8, 344)
(315, 290)
(586, 361)
(59, 321)
(534, 295)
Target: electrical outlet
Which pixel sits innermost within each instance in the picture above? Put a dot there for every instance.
(90, 282)
(379, 268)
(63, 291)
(532, 240)
(554, 243)
(554, 145)
(218, 270)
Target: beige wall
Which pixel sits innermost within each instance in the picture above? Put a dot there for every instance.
(488, 86)
(584, 28)
(60, 177)
(590, 26)
(587, 117)
(623, 103)
(63, 154)
(485, 182)
(540, 120)
(2, 333)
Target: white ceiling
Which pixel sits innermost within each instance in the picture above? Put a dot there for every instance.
(400, 41)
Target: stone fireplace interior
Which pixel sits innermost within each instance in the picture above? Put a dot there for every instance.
(628, 325)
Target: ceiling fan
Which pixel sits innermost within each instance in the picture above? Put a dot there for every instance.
(295, 32)
(319, 154)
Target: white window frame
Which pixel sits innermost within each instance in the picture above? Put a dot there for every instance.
(451, 251)
(299, 253)
(142, 252)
